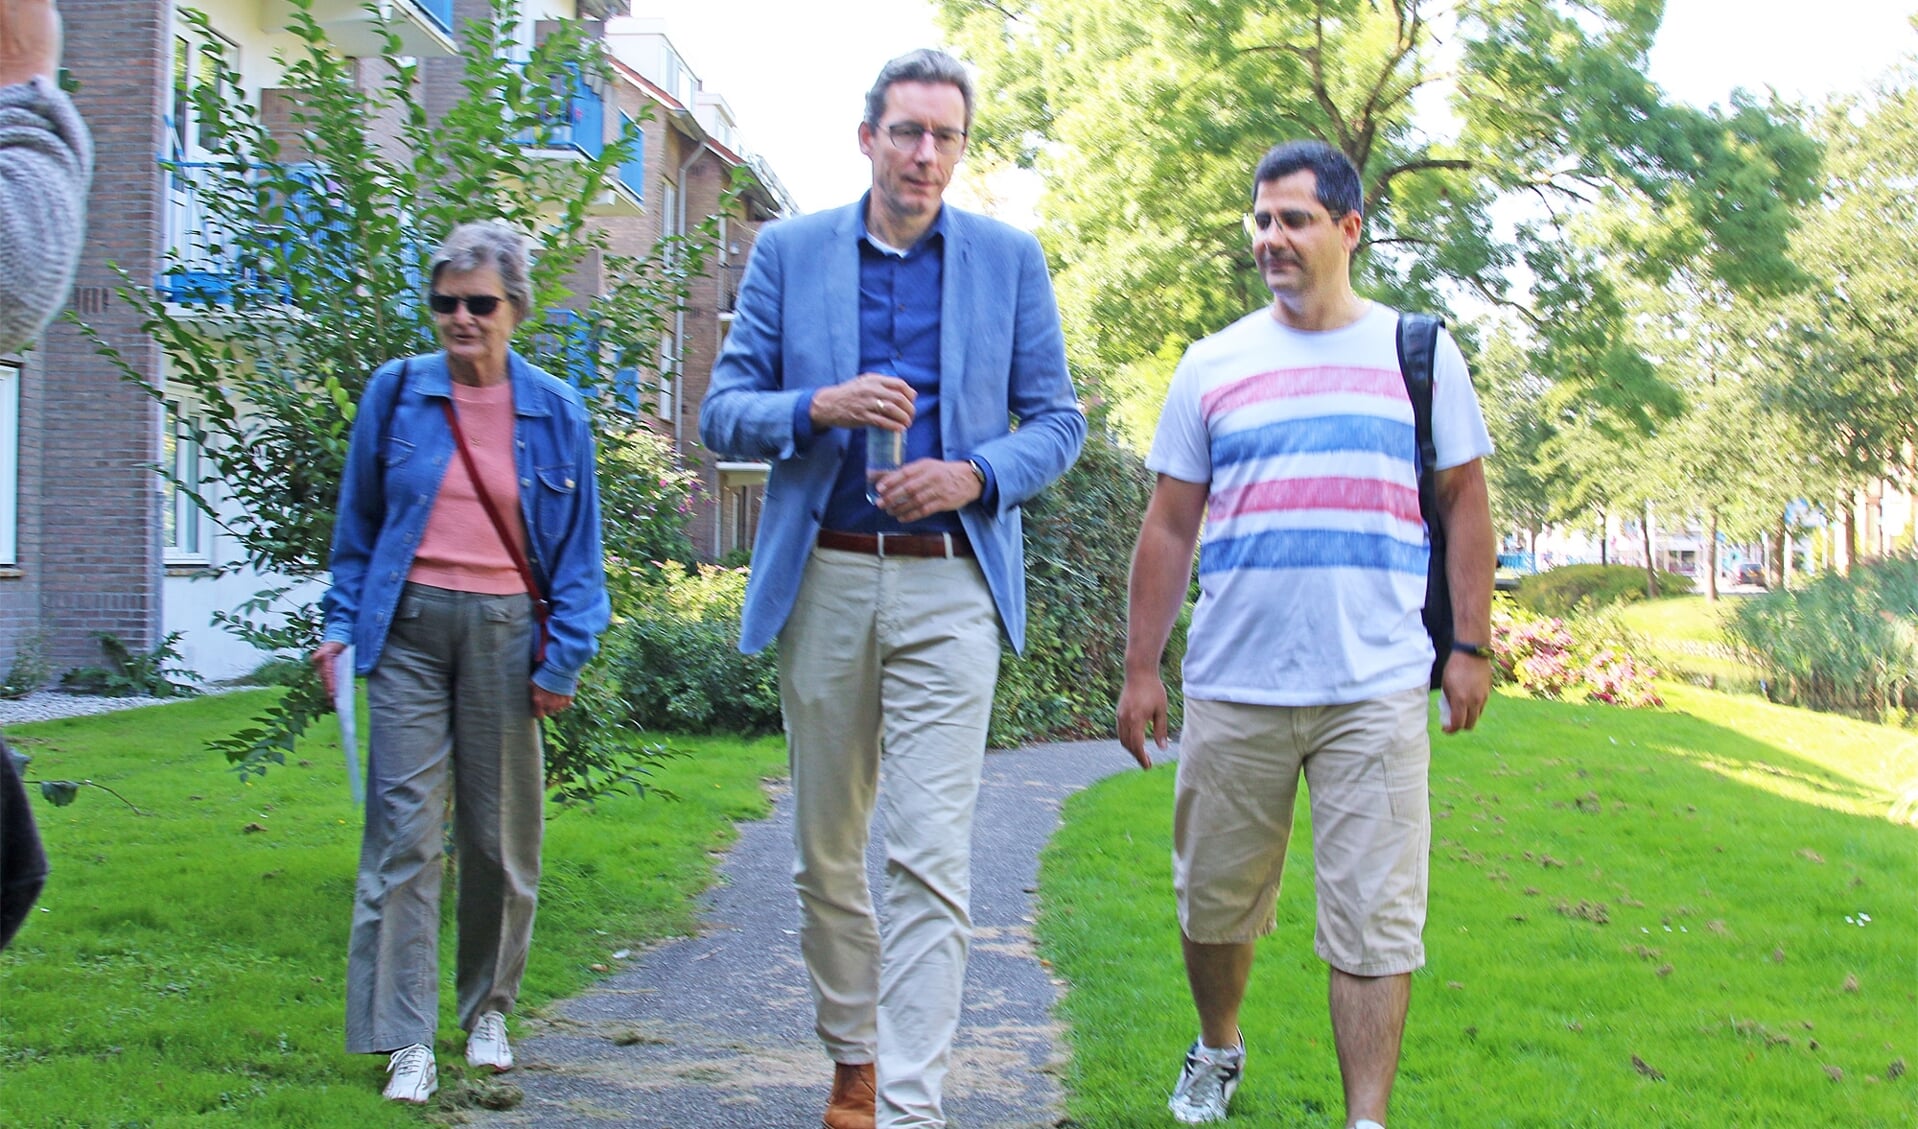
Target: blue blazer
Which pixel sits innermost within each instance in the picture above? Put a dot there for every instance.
(1001, 361)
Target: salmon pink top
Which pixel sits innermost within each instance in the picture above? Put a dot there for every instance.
(460, 549)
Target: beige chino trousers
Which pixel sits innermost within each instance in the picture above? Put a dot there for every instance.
(887, 667)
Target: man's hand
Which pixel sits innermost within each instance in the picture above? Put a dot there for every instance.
(29, 40)
(324, 658)
(867, 400)
(1466, 684)
(925, 487)
(1142, 710)
(546, 703)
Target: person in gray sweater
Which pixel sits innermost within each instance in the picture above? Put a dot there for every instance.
(46, 162)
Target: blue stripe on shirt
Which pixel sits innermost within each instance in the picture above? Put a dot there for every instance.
(1314, 548)
(1314, 436)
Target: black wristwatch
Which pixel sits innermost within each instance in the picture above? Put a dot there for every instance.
(1476, 650)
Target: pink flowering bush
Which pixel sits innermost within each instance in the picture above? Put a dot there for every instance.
(1546, 659)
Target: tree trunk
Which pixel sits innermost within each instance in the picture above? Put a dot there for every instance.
(1848, 542)
(1711, 557)
(1651, 563)
(1778, 568)
(1604, 538)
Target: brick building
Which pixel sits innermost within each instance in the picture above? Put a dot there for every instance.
(91, 540)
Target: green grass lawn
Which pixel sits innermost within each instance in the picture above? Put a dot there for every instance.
(1685, 637)
(186, 965)
(1638, 918)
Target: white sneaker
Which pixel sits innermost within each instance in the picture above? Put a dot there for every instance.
(1207, 1083)
(487, 1045)
(414, 1075)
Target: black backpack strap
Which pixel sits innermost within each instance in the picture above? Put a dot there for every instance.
(1417, 349)
(1418, 346)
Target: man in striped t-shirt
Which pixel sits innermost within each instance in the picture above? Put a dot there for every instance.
(1289, 436)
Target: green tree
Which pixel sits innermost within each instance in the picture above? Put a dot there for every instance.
(1522, 481)
(1846, 358)
(1145, 119)
(324, 236)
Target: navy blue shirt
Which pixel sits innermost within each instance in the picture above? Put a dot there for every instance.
(899, 295)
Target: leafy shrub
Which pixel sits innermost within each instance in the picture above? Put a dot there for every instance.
(1842, 644)
(134, 674)
(1587, 661)
(1573, 588)
(30, 670)
(645, 501)
(675, 659)
(1079, 537)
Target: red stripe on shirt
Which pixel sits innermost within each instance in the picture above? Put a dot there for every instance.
(1291, 383)
(1354, 495)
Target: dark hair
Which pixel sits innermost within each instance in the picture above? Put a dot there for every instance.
(923, 65)
(1338, 185)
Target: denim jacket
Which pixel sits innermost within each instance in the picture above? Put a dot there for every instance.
(399, 452)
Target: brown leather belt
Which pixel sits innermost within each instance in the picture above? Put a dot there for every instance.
(897, 544)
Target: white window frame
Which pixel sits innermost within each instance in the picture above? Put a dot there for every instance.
(186, 530)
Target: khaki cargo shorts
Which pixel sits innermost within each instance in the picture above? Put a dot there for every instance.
(1365, 765)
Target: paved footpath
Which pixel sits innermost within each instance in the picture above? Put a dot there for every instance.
(715, 1031)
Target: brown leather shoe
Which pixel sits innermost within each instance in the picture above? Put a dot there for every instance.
(852, 1101)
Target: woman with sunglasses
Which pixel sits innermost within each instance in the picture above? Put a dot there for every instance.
(468, 578)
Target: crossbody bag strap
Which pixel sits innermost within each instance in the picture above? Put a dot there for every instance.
(540, 608)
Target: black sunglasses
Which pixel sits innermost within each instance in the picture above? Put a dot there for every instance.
(479, 305)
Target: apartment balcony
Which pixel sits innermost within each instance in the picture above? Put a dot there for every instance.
(577, 131)
(425, 27)
(205, 265)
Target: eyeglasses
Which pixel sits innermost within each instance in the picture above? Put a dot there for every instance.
(479, 305)
(1256, 222)
(907, 135)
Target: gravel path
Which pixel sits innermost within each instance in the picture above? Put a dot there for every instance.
(50, 705)
(715, 1031)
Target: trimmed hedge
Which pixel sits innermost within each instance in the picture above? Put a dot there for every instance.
(676, 659)
(1079, 538)
(1574, 588)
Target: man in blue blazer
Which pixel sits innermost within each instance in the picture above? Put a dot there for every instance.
(889, 591)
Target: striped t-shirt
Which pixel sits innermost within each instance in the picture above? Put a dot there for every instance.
(1313, 560)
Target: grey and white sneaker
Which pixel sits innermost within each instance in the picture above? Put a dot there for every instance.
(487, 1045)
(1206, 1084)
(414, 1077)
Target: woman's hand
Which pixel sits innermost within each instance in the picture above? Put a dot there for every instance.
(323, 661)
(546, 703)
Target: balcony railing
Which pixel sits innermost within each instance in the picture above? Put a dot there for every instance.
(440, 10)
(205, 264)
(567, 347)
(632, 171)
(579, 123)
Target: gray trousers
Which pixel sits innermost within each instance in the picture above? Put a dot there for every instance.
(451, 697)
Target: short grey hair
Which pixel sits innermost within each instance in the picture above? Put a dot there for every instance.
(490, 243)
(923, 65)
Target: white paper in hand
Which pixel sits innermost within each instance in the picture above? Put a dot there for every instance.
(349, 721)
(1445, 711)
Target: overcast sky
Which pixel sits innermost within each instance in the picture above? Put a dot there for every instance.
(795, 73)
